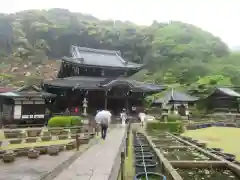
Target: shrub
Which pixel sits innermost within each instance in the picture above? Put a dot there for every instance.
(174, 127)
(173, 118)
(65, 121)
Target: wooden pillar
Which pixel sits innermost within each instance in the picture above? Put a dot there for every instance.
(105, 100)
(127, 104)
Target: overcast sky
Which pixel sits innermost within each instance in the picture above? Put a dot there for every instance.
(221, 17)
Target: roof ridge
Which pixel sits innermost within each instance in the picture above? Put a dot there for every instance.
(105, 51)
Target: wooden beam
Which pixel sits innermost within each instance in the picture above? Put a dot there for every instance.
(177, 147)
(235, 168)
(167, 168)
(198, 164)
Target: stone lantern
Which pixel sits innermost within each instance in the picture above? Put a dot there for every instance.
(85, 105)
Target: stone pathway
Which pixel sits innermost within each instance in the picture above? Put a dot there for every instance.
(99, 161)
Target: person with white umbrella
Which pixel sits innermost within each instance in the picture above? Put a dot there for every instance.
(103, 118)
(123, 117)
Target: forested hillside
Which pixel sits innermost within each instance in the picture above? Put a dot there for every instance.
(176, 53)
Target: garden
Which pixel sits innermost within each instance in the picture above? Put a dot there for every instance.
(196, 154)
(62, 133)
(184, 153)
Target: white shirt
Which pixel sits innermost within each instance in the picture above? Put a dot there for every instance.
(142, 116)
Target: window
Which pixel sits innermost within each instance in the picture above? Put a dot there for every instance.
(29, 109)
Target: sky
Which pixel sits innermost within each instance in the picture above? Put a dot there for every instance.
(220, 17)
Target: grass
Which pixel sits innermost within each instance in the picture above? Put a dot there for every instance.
(218, 137)
(129, 164)
(43, 143)
(129, 171)
(1, 135)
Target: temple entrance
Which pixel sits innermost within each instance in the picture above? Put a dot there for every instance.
(95, 101)
(117, 98)
(116, 105)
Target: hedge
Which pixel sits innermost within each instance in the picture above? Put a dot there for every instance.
(173, 117)
(65, 121)
(174, 127)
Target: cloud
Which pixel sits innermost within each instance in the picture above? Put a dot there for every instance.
(218, 17)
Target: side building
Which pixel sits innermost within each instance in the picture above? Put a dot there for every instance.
(26, 105)
(94, 79)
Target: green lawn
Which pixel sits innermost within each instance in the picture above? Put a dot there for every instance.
(2, 135)
(218, 137)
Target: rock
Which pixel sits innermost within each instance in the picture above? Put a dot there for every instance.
(14, 69)
(69, 146)
(83, 140)
(31, 140)
(21, 151)
(53, 150)
(25, 66)
(46, 138)
(33, 154)
(42, 150)
(34, 132)
(9, 156)
(27, 74)
(15, 141)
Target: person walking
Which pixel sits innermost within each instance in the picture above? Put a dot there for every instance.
(123, 116)
(103, 118)
(142, 117)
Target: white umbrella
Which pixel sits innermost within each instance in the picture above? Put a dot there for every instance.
(102, 116)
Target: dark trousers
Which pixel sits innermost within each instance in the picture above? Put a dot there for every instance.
(104, 128)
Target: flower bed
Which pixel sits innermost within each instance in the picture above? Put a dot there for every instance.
(184, 154)
(207, 174)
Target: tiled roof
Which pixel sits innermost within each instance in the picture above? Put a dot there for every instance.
(6, 89)
(101, 83)
(175, 96)
(76, 82)
(27, 91)
(229, 92)
(99, 57)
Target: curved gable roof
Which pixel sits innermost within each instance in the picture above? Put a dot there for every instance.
(99, 57)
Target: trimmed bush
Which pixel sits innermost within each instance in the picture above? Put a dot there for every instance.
(174, 127)
(65, 121)
(173, 118)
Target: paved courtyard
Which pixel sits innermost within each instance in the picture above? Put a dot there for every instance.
(98, 161)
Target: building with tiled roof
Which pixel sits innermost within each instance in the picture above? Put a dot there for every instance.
(100, 78)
